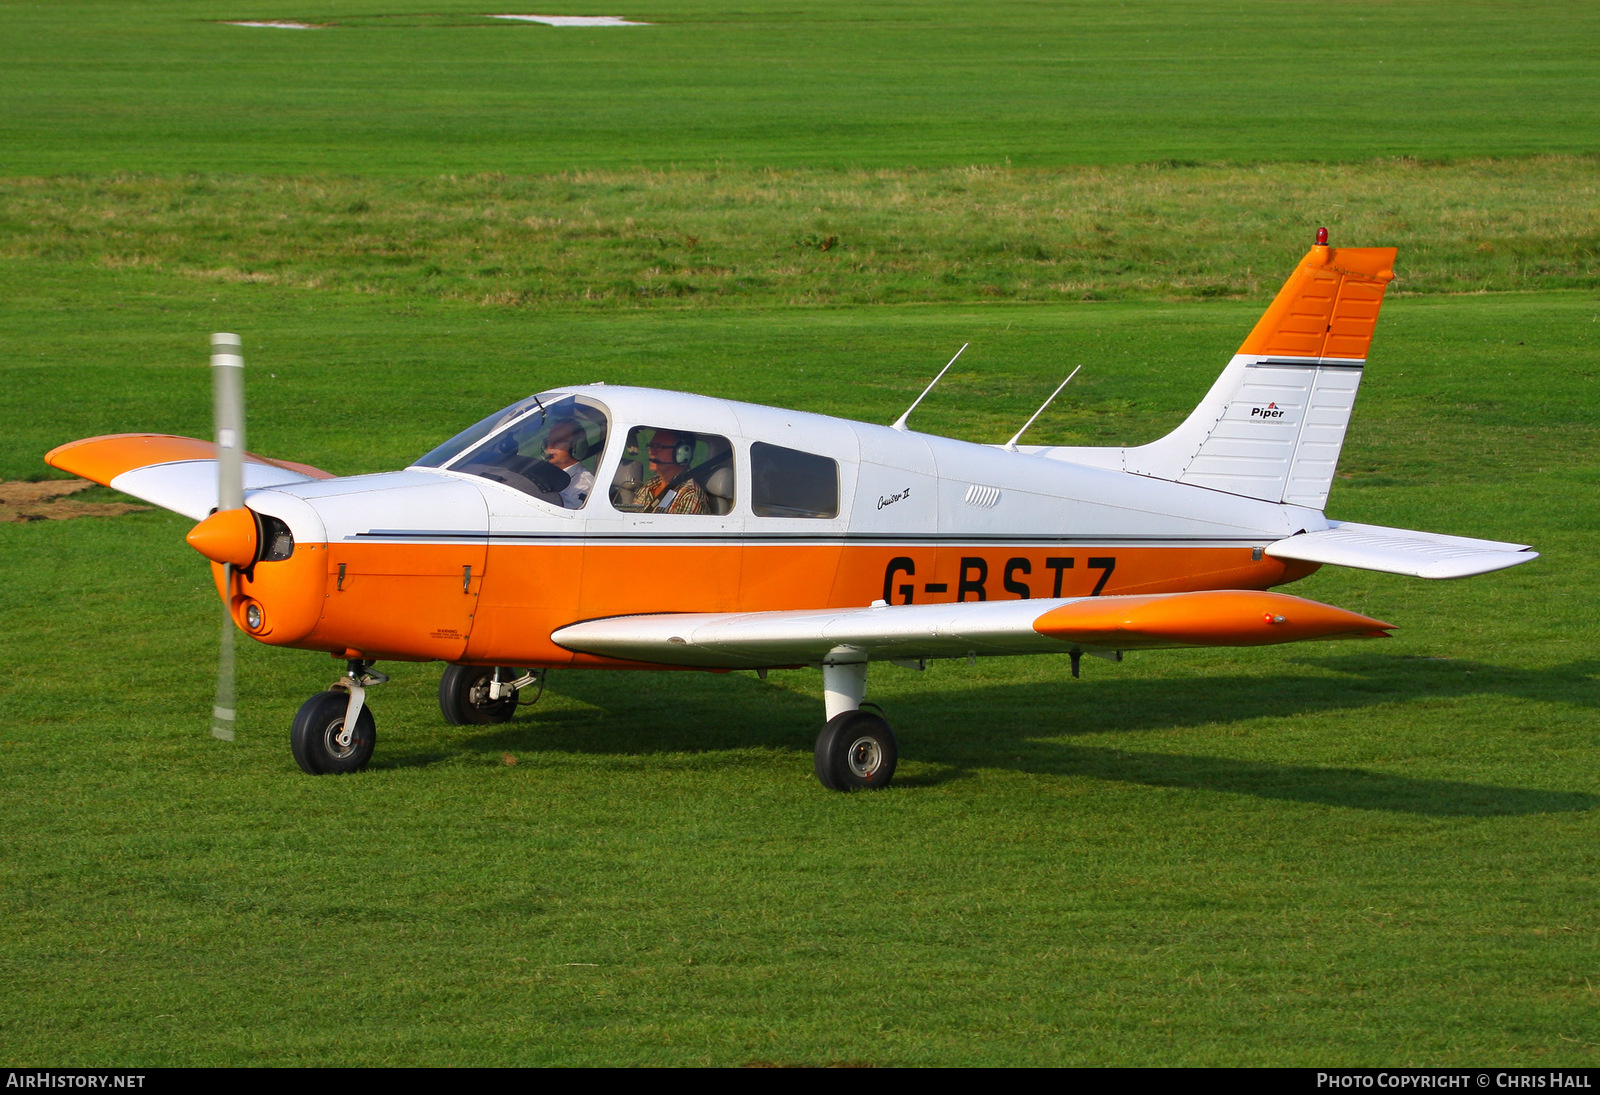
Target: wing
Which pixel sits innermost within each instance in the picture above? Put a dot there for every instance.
(734, 640)
(176, 473)
(1401, 551)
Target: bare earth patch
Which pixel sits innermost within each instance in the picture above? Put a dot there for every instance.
(38, 502)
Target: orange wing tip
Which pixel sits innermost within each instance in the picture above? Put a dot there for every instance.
(1212, 618)
(104, 458)
(227, 536)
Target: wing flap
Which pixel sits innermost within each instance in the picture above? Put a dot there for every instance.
(175, 473)
(731, 640)
(1401, 551)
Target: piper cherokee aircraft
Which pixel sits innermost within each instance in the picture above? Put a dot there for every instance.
(626, 528)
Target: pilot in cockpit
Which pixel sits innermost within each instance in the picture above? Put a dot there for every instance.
(560, 444)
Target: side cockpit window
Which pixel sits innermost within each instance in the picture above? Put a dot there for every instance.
(667, 470)
(791, 483)
(550, 449)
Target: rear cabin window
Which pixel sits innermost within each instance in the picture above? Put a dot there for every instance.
(791, 483)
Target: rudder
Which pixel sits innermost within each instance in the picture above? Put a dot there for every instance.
(1272, 425)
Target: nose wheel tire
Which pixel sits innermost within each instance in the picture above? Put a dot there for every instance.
(464, 696)
(856, 751)
(318, 739)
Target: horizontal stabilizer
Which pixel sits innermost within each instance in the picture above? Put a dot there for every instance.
(1401, 551)
(175, 473)
(731, 640)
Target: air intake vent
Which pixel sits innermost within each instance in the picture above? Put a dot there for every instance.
(982, 497)
(277, 542)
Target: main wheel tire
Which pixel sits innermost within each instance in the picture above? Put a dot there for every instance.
(318, 725)
(464, 696)
(856, 751)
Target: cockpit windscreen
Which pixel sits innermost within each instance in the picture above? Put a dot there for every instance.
(476, 432)
(548, 447)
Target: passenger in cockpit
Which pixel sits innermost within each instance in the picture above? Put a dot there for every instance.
(670, 488)
(562, 447)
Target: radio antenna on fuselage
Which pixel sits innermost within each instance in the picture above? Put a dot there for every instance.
(900, 423)
(1011, 446)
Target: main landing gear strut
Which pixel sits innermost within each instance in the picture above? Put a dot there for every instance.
(856, 750)
(478, 695)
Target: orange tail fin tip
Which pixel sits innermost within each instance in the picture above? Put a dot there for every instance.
(1329, 305)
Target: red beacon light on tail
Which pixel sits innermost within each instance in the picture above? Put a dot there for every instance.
(1322, 237)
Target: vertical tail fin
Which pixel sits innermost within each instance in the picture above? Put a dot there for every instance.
(1272, 425)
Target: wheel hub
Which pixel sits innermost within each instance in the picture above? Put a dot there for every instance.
(340, 740)
(865, 757)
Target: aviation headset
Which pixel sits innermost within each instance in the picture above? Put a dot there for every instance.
(683, 451)
(577, 442)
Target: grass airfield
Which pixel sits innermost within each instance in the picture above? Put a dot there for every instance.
(1340, 853)
(96, 86)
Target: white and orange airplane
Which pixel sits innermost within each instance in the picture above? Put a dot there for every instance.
(625, 528)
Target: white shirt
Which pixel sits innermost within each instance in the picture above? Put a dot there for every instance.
(581, 482)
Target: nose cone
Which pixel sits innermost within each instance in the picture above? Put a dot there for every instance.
(227, 536)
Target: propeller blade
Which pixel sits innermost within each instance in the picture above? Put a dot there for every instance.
(227, 404)
(222, 711)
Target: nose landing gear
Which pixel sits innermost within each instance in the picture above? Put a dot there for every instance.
(334, 731)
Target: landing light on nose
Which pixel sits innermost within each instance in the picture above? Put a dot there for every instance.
(227, 536)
